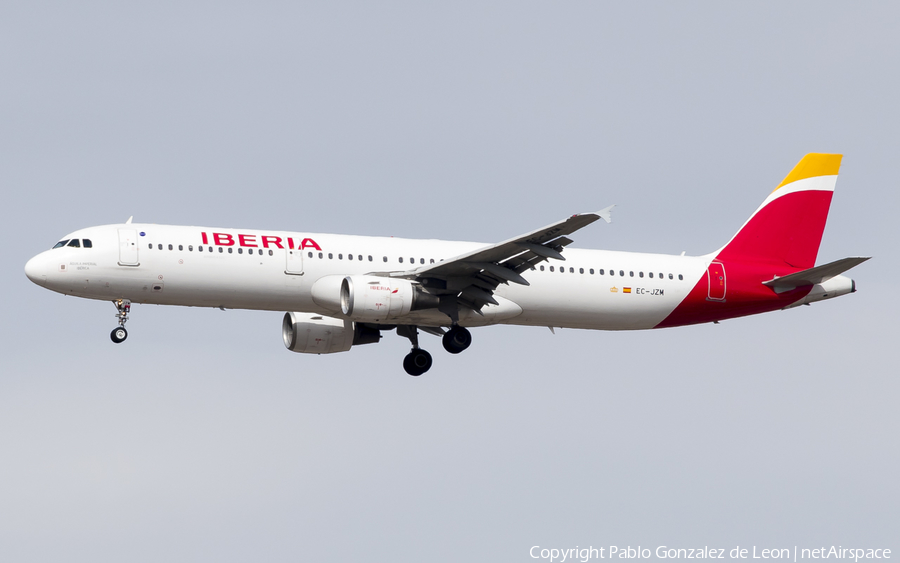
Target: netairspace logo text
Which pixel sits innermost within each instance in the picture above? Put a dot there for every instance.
(585, 554)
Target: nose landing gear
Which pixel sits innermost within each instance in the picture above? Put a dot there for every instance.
(119, 334)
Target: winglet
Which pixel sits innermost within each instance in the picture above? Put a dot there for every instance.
(606, 214)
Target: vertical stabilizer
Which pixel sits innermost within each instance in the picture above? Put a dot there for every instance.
(787, 228)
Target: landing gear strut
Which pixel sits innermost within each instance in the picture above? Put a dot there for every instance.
(119, 334)
(418, 361)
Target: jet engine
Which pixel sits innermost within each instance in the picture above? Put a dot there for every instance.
(375, 299)
(317, 334)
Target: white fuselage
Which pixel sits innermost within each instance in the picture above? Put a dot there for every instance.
(247, 269)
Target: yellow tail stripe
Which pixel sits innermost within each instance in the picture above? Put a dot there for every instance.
(812, 165)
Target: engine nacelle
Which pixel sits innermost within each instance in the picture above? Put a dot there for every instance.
(376, 299)
(316, 334)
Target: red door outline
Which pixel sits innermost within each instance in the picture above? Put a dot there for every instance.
(715, 276)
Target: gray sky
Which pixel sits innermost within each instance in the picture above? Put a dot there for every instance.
(203, 439)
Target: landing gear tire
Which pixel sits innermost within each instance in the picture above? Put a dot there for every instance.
(118, 334)
(456, 339)
(417, 362)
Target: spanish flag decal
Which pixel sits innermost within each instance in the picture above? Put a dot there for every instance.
(626, 290)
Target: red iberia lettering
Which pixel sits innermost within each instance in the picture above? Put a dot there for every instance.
(203, 236)
(223, 239)
(247, 240)
(267, 240)
(308, 242)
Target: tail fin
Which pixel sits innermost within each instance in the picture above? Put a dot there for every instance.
(787, 228)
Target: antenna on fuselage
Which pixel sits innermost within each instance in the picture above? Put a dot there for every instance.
(128, 222)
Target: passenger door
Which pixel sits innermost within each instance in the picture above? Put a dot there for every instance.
(715, 275)
(294, 264)
(128, 248)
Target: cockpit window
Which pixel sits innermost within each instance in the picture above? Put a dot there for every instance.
(74, 243)
(61, 243)
(87, 243)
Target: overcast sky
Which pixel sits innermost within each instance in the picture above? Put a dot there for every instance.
(203, 439)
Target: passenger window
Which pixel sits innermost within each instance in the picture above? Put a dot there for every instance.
(651, 275)
(230, 250)
(260, 252)
(349, 257)
(270, 252)
(660, 276)
(170, 247)
(209, 248)
(87, 243)
(220, 250)
(310, 254)
(320, 254)
(622, 273)
(150, 246)
(600, 271)
(542, 268)
(401, 259)
(330, 256)
(190, 248)
(640, 274)
(240, 250)
(370, 258)
(74, 243)
(612, 272)
(631, 273)
(421, 260)
(340, 256)
(581, 270)
(592, 271)
(180, 247)
(62, 243)
(432, 262)
(412, 260)
(551, 268)
(199, 249)
(680, 277)
(385, 258)
(670, 276)
(160, 246)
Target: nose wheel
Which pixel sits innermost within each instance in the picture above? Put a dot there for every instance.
(119, 334)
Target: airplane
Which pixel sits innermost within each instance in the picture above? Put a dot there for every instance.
(341, 291)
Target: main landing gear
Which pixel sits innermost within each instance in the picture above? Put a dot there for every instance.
(418, 361)
(456, 339)
(119, 334)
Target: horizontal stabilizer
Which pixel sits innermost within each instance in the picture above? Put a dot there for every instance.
(815, 275)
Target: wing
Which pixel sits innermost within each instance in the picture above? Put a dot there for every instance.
(469, 280)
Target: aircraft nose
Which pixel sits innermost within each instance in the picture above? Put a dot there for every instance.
(35, 271)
